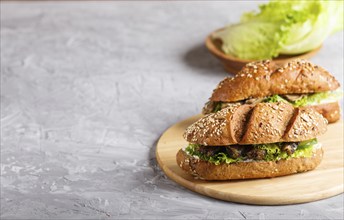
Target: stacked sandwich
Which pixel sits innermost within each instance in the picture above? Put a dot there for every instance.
(252, 129)
(299, 83)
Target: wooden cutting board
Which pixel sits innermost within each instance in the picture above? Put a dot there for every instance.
(323, 182)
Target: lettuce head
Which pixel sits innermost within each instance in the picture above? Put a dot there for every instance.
(282, 27)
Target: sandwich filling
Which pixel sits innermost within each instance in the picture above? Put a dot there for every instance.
(245, 153)
(297, 100)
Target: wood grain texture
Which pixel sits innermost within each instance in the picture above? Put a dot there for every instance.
(323, 182)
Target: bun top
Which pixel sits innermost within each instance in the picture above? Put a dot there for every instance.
(263, 78)
(257, 124)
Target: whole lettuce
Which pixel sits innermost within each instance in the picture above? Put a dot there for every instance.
(282, 27)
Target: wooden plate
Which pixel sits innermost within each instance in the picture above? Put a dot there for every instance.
(234, 65)
(323, 182)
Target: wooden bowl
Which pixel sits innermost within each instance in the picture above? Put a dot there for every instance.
(233, 64)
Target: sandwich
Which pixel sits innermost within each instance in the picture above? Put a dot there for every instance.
(299, 83)
(253, 141)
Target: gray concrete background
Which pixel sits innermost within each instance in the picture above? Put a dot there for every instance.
(86, 91)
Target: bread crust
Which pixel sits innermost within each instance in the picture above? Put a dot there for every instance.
(247, 170)
(257, 124)
(261, 79)
(268, 123)
(331, 111)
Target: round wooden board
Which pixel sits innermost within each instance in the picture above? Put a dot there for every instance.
(323, 182)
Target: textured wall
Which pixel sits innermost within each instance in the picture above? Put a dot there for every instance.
(87, 89)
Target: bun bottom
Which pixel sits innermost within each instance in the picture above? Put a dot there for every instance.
(330, 111)
(247, 170)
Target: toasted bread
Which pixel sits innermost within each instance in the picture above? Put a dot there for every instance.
(247, 170)
(256, 124)
(262, 78)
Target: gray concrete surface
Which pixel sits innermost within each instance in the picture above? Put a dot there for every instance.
(87, 89)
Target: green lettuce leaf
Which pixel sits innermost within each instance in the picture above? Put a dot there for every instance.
(308, 143)
(238, 41)
(222, 158)
(273, 152)
(311, 99)
(192, 149)
(287, 27)
(304, 149)
(318, 98)
(274, 98)
(218, 107)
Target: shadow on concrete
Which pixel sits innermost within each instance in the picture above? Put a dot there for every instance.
(199, 58)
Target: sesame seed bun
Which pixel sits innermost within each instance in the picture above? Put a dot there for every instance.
(263, 78)
(331, 111)
(247, 170)
(257, 124)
